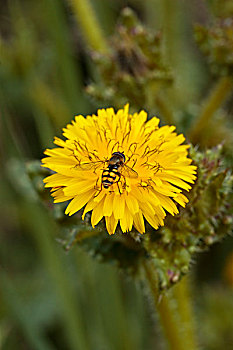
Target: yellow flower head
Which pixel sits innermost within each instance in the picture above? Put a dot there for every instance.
(121, 167)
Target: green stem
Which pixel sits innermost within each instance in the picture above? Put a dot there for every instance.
(213, 102)
(89, 24)
(181, 294)
(165, 310)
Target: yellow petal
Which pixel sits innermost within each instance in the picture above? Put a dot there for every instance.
(111, 224)
(152, 220)
(97, 213)
(79, 187)
(181, 199)
(147, 208)
(57, 180)
(118, 206)
(127, 221)
(175, 180)
(59, 196)
(59, 142)
(168, 204)
(89, 206)
(151, 197)
(132, 204)
(138, 222)
(59, 160)
(78, 202)
(159, 211)
(108, 204)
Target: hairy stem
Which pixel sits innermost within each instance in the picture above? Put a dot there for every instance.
(213, 102)
(168, 319)
(89, 25)
(181, 294)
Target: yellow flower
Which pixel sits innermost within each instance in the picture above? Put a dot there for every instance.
(121, 167)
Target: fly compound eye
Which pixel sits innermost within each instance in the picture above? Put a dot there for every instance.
(120, 155)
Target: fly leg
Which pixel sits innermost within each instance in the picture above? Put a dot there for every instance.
(97, 188)
(118, 186)
(123, 183)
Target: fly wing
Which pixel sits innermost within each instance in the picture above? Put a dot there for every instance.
(89, 165)
(129, 172)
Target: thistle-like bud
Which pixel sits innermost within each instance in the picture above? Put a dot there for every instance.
(134, 65)
(216, 42)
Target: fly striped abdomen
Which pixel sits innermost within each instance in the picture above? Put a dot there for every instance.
(110, 175)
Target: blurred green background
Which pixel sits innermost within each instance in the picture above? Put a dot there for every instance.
(51, 299)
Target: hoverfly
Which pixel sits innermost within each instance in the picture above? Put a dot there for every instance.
(115, 169)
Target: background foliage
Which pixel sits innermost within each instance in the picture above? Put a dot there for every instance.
(51, 299)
